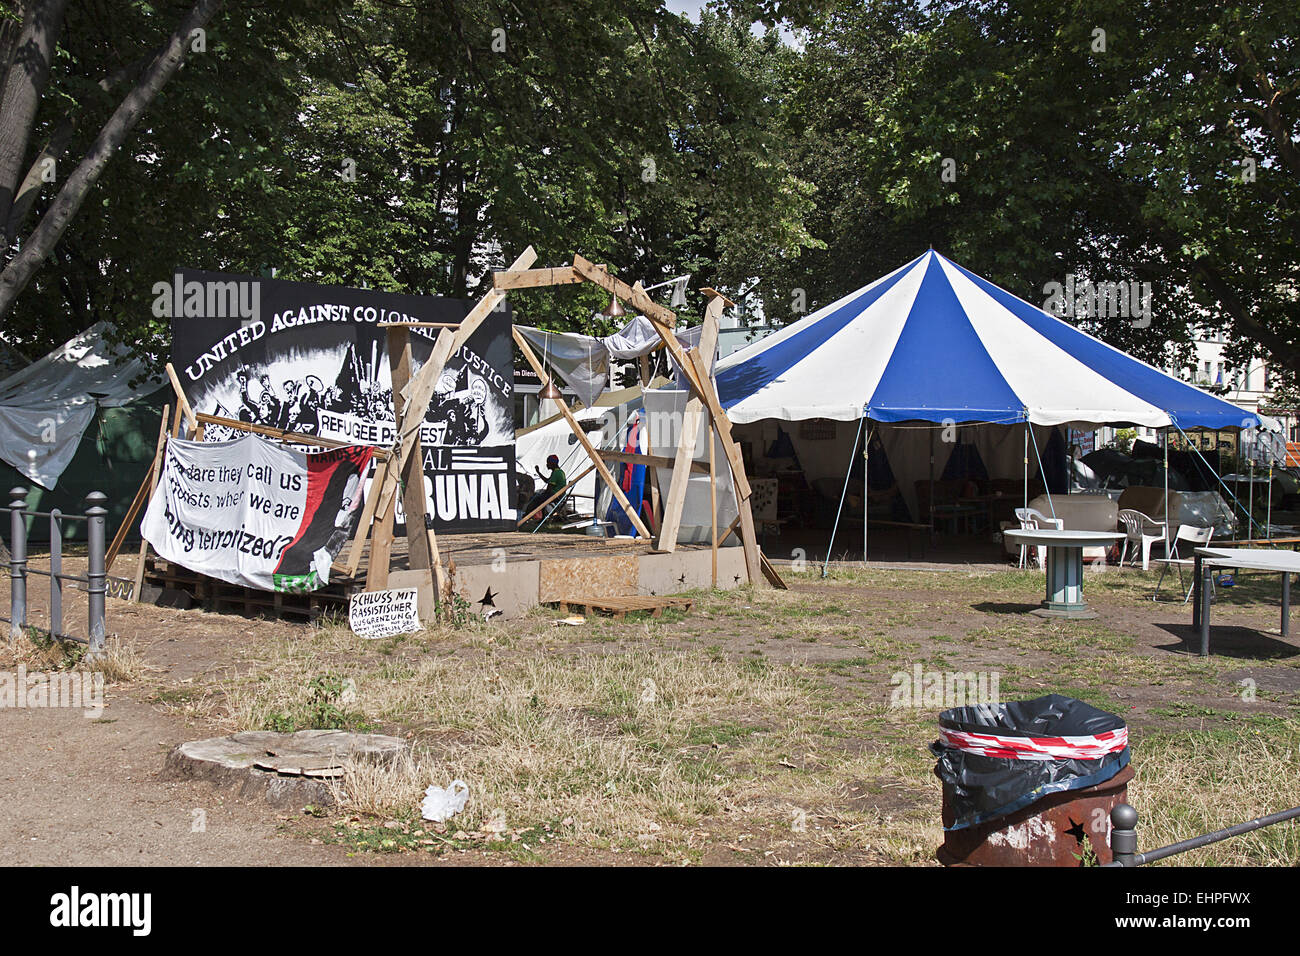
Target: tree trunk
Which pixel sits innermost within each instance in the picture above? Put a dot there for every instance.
(24, 85)
(37, 246)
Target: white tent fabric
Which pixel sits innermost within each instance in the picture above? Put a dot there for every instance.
(931, 341)
(45, 408)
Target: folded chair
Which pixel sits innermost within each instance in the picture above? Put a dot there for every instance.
(1195, 538)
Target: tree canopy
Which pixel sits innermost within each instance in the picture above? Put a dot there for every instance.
(416, 146)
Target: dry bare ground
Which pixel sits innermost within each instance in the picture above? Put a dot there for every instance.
(760, 728)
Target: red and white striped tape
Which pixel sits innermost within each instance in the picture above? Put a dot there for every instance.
(1038, 748)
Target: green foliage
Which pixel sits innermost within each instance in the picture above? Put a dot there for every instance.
(414, 148)
(323, 709)
(1115, 164)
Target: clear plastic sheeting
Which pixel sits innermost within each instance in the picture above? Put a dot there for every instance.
(45, 408)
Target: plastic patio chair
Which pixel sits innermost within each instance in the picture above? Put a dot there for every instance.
(1141, 532)
(1197, 538)
(1031, 519)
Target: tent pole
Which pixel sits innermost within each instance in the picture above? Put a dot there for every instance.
(1026, 463)
(1268, 520)
(866, 491)
(1236, 502)
(1249, 474)
(1168, 519)
(1043, 471)
(931, 433)
(849, 471)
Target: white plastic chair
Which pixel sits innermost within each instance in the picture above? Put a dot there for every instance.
(1031, 519)
(1197, 538)
(1141, 532)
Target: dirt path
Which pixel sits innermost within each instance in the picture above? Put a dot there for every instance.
(89, 792)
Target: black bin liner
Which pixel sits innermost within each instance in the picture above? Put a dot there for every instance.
(996, 759)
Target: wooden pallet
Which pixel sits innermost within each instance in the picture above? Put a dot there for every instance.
(220, 596)
(620, 606)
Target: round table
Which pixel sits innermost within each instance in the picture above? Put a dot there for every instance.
(1064, 566)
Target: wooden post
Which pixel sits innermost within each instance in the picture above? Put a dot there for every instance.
(672, 520)
(651, 473)
(137, 503)
(182, 403)
(557, 494)
(601, 469)
(155, 473)
(414, 502)
(713, 509)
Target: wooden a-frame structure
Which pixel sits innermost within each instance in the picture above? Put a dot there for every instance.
(401, 467)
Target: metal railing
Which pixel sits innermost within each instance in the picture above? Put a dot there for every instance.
(1123, 836)
(94, 580)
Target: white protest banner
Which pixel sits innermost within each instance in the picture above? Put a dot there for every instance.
(374, 614)
(254, 513)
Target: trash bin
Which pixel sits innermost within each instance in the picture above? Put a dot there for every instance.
(1030, 783)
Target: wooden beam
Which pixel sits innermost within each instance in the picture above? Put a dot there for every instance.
(138, 501)
(367, 518)
(414, 502)
(650, 461)
(181, 401)
(715, 293)
(731, 529)
(419, 391)
(713, 510)
(672, 520)
(520, 522)
(592, 452)
(769, 571)
(534, 278)
(155, 472)
(665, 321)
(295, 438)
(671, 523)
(436, 572)
(416, 396)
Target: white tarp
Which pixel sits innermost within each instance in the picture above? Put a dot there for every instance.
(254, 513)
(582, 361)
(45, 408)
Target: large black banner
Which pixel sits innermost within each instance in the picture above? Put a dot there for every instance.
(313, 359)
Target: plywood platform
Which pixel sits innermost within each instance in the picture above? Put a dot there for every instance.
(507, 573)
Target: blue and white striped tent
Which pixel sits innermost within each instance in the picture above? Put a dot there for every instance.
(932, 342)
